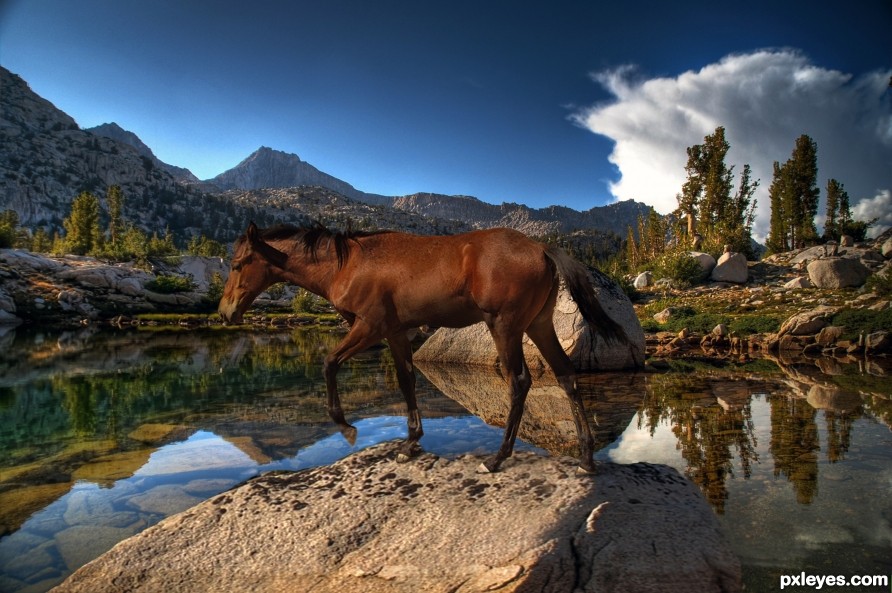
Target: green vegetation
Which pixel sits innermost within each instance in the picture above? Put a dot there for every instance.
(304, 301)
(861, 321)
(165, 284)
(679, 267)
(880, 284)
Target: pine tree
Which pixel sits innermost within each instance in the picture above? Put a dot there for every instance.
(82, 233)
(803, 192)
(777, 235)
(831, 224)
(114, 200)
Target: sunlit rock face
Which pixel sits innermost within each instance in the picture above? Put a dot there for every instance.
(368, 523)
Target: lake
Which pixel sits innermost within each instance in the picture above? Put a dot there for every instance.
(103, 434)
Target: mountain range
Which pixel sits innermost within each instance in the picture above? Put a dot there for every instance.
(46, 159)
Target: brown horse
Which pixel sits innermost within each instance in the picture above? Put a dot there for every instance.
(386, 283)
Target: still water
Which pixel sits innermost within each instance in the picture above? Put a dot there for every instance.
(105, 434)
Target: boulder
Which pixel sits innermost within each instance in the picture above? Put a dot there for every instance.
(800, 282)
(837, 272)
(886, 248)
(846, 241)
(368, 523)
(586, 347)
(807, 322)
(876, 342)
(664, 315)
(706, 261)
(829, 335)
(731, 267)
(643, 280)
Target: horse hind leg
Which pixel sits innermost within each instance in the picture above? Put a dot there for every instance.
(514, 367)
(401, 349)
(542, 333)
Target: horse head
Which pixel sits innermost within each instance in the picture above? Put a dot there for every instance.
(255, 266)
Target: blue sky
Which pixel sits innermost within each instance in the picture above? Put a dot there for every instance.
(537, 103)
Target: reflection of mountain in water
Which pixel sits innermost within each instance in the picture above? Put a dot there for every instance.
(547, 420)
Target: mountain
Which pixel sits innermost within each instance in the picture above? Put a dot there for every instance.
(613, 218)
(266, 168)
(46, 160)
(116, 132)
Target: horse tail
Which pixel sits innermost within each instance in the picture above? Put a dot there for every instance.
(576, 276)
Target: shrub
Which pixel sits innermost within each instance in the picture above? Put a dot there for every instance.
(880, 284)
(680, 268)
(166, 284)
(304, 301)
(858, 321)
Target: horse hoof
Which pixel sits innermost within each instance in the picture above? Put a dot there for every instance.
(349, 433)
(585, 471)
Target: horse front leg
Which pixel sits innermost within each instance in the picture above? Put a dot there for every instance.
(401, 349)
(514, 368)
(357, 339)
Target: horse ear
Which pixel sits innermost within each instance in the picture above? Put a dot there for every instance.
(252, 233)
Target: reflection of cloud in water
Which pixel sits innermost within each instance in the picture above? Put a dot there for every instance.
(639, 445)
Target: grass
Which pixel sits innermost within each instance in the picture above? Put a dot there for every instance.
(858, 321)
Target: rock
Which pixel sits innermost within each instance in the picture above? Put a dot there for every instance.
(829, 335)
(166, 500)
(800, 282)
(664, 315)
(880, 341)
(831, 397)
(846, 241)
(837, 272)
(721, 330)
(807, 322)
(731, 267)
(886, 249)
(643, 280)
(368, 523)
(706, 261)
(587, 349)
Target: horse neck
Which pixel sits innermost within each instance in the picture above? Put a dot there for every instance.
(313, 274)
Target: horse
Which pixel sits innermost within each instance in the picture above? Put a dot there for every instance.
(386, 283)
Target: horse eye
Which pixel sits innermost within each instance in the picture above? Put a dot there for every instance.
(235, 267)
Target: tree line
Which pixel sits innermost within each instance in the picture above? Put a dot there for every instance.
(85, 234)
(714, 213)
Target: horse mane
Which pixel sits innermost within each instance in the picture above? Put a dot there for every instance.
(313, 235)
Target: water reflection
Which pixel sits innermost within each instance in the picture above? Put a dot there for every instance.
(102, 435)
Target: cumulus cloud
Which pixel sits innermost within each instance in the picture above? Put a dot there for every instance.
(764, 100)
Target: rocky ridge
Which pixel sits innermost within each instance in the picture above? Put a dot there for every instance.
(116, 132)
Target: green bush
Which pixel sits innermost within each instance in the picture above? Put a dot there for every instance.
(680, 268)
(304, 301)
(880, 284)
(166, 284)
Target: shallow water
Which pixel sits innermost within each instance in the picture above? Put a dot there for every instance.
(105, 434)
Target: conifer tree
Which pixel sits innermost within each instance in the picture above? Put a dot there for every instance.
(777, 235)
(114, 200)
(802, 191)
(831, 224)
(82, 233)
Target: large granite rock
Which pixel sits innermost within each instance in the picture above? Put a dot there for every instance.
(837, 272)
(370, 524)
(586, 348)
(731, 267)
(706, 261)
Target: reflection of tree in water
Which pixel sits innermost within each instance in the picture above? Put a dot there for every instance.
(839, 432)
(794, 444)
(707, 434)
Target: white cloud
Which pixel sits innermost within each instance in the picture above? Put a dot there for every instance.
(764, 100)
(879, 207)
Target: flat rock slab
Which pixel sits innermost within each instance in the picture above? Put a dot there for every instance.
(368, 523)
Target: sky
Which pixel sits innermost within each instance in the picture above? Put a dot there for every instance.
(571, 103)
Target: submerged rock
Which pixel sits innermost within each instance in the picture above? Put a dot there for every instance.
(370, 524)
